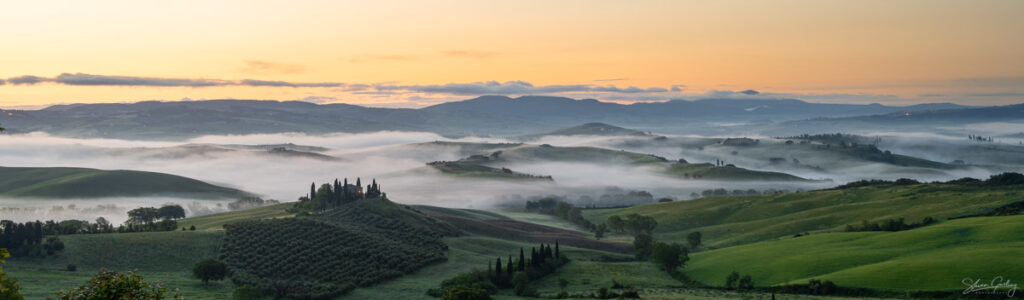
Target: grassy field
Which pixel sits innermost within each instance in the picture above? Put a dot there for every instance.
(163, 257)
(215, 222)
(464, 254)
(734, 220)
(935, 257)
(91, 183)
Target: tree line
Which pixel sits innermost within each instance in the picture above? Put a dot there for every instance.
(27, 238)
(331, 195)
(511, 273)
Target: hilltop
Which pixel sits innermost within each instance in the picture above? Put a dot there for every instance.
(93, 183)
(734, 220)
(485, 115)
(591, 129)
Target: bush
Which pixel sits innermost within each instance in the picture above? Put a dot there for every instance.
(462, 292)
(246, 292)
(72, 268)
(209, 269)
(110, 285)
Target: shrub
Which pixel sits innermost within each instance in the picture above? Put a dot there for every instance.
(462, 292)
(246, 292)
(110, 285)
(72, 268)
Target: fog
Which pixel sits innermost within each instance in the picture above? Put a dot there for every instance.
(397, 160)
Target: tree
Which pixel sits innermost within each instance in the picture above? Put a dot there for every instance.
(246, 292)
(600, 230)
(557, 254)
(462, 292)
(746, 282)
(641, 224)
(209, 269)
(642, 245)
(521, 284)
(9, 289)
(693, 239)
(171, 212)
(497, 269)
(669, 256)
(562, 283)
(730, 281)
(110, 285)
(522, 261)
(53, 245)
(143, 215)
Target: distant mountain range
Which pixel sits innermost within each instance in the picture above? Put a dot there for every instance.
(486, 115)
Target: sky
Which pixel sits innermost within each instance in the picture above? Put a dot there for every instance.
(419, 53)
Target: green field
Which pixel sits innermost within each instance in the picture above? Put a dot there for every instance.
(735, 220)
(162, 257)
(93, 183)
(935, 257)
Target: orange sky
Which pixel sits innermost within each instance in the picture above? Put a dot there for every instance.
(969, 52)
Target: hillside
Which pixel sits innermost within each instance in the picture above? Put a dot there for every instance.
(356, 244)
(591, 129)
(736, 220)
(485, 115)
(509, 155)
(93, 183)
(936, 257)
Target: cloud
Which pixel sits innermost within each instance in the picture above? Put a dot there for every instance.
(2, 82)
(266, 67)
(89, 79)
(678, 87)
(27, 79)
(750, 92)
(252, 82)
(611, 79)
(82, 79)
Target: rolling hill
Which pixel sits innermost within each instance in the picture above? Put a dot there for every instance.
(486, 115)
(93, 183)
(507, 155)
(936, 257)
(736, 220)
(591, 129)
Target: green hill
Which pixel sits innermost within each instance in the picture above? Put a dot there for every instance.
(936, 257)
(93, 183)
(356, 244)
(487, 162)
(733, 220)
(595, 129)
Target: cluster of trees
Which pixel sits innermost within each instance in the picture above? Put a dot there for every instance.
(633, 223)
(889, 225)
(331, 195)
(148, 215)
(1002, 179)
(735, 281)
(979, 138)
(561, 209)
(514, 274)
(250, 202)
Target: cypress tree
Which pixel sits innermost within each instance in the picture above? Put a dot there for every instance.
(558, 255)
(312, 191)
(533, 256)
(509, 269)
(497, 268)
(522, 260)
